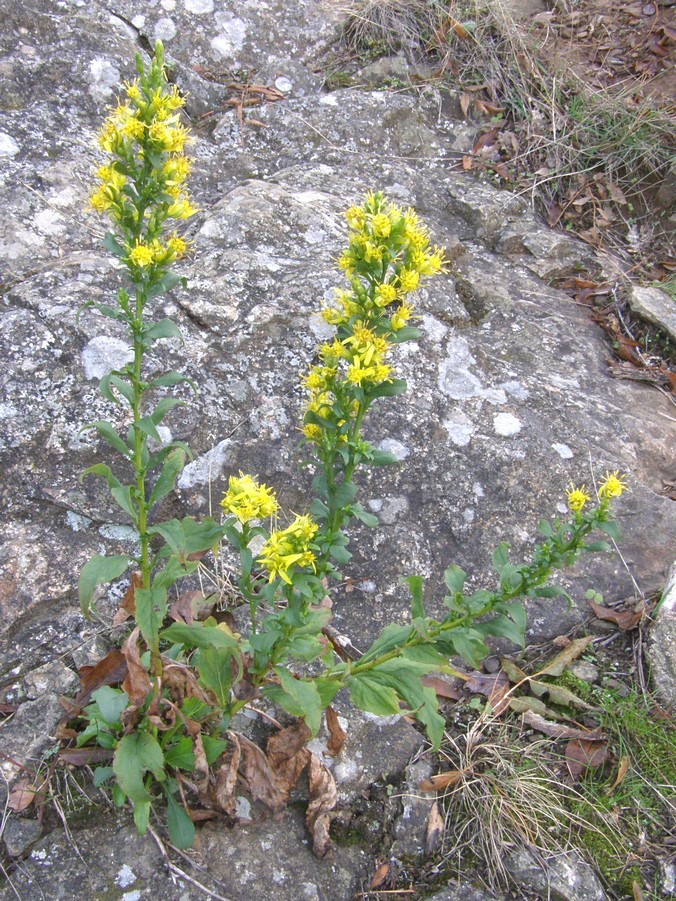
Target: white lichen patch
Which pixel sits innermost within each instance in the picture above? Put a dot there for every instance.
(507, 425)
(516, 390)
(231, 38)
(393, 508)
(165, 29)
(117, 532)
(208, 467)
(459, 427)
(50, 222)
(102, 354)
(77, 522)
(199, 7)
(563, 451)
(396, 448)
(125, 877)
(105, 78)
(8, 146)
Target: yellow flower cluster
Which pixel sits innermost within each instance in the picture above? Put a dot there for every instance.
(577, 498)
(143, 184)
(289, 548)
(247, 499)
(613, 485)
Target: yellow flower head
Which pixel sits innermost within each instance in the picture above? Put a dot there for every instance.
(613, 485)
(177, 246)
(409, 280)
(356, 218)
(381, 225)
(289, 548)
(577, 497)
(312, 432)
(181, 209)
(385, 294)
(142, 255)
(401, 317)
(247, 499)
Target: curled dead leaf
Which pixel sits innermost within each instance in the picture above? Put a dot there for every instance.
(625, 619)
(25, 792)
(128, 605)
(137, 681)
(337, 734)
(442, 780)
(323, 796)
(622, 771)
(583, 754)
(380, 875)
(435, 829)
(562, 661)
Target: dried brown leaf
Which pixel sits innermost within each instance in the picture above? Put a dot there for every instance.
(562, 661)
(323, 796)
(380, 875)
(435, 829)
(493, 685)
(287, 756)
(559, 730)
(128, 605)
(441, 781)
(444, 687)
(24, 793)
(465, 103)
(110, 671)
(259, 777)
(337, 734)
(223, 793)
(191, 606)
(625, 619)
(582, 755)
(534, 705)
(622, 771)
(84, 756)
(137, 682)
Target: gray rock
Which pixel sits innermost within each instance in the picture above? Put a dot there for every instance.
(20, 834)
(462, 891)
(562, 877)
(585, 670)
(52, 677)
(410, 827)
(385, 69)
(662, 643)
(655, 306)
(28, 734)
(666, 874)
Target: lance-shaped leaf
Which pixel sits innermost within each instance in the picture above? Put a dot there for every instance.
(171, 469)
(108, 433)
(99, 571)
(137, 754)
(165, 328)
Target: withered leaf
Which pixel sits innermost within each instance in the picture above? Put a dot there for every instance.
(625, 619)
(226, 780)
(563, 660)
(110, 671)
(287, 756)
(559, 730)
(493, 685)
(622, 771)
(137, 682)
(444, 687)
(128, 605)
(435, 829)
(441, 781)
(337, 734)
(380, 875)
(7, 709)
(258, 775)
(191, 606)
(24, 793)
(84, 756)
(582, 755)
(323, 795)
(534, 705)
(201, 771)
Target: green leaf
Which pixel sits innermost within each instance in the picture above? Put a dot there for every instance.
(501, 556)
(345, 494)
(99, 571)
(502, 626)
(416, 584)
(171, 469)
(340, 554)
(121, 494)
(168, 281)
(408, 333)
(169, 379)
(511, 577)
(328, 689)
(595, 547)
(388, 389)
(545, 528)
(469, 645)
(306, 697)
(146, 425)
(196, 635)
(112, 702)
(102, 774)
(166, 404)
(318, 509)
(108, 434)
(454, 577)
(179, 825)
(123, 387)
(215, 672)
(136, 754)
(165, 328)
(548, 591)
(383, 458)
(372, 696)
(367, 518)
(611, 528)
(392, 636)
(151, 609)
(181, 754)
(111, 244)
(213, 748)
(141, 816)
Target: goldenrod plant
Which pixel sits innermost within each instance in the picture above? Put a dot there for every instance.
(171, 720)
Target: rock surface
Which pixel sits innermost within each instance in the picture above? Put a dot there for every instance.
(509, 394)
(662, 644)
(655, 306)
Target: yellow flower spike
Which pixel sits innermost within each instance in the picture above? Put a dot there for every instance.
(356, 218)
(577, 498)
(613, 485)
(247, 499)
(289, 548)
(181, 209)
(381, 225)
(312, 432)
(409, 280)
(177, 245)
(401, 317)
(385, 294)
(134, 92)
